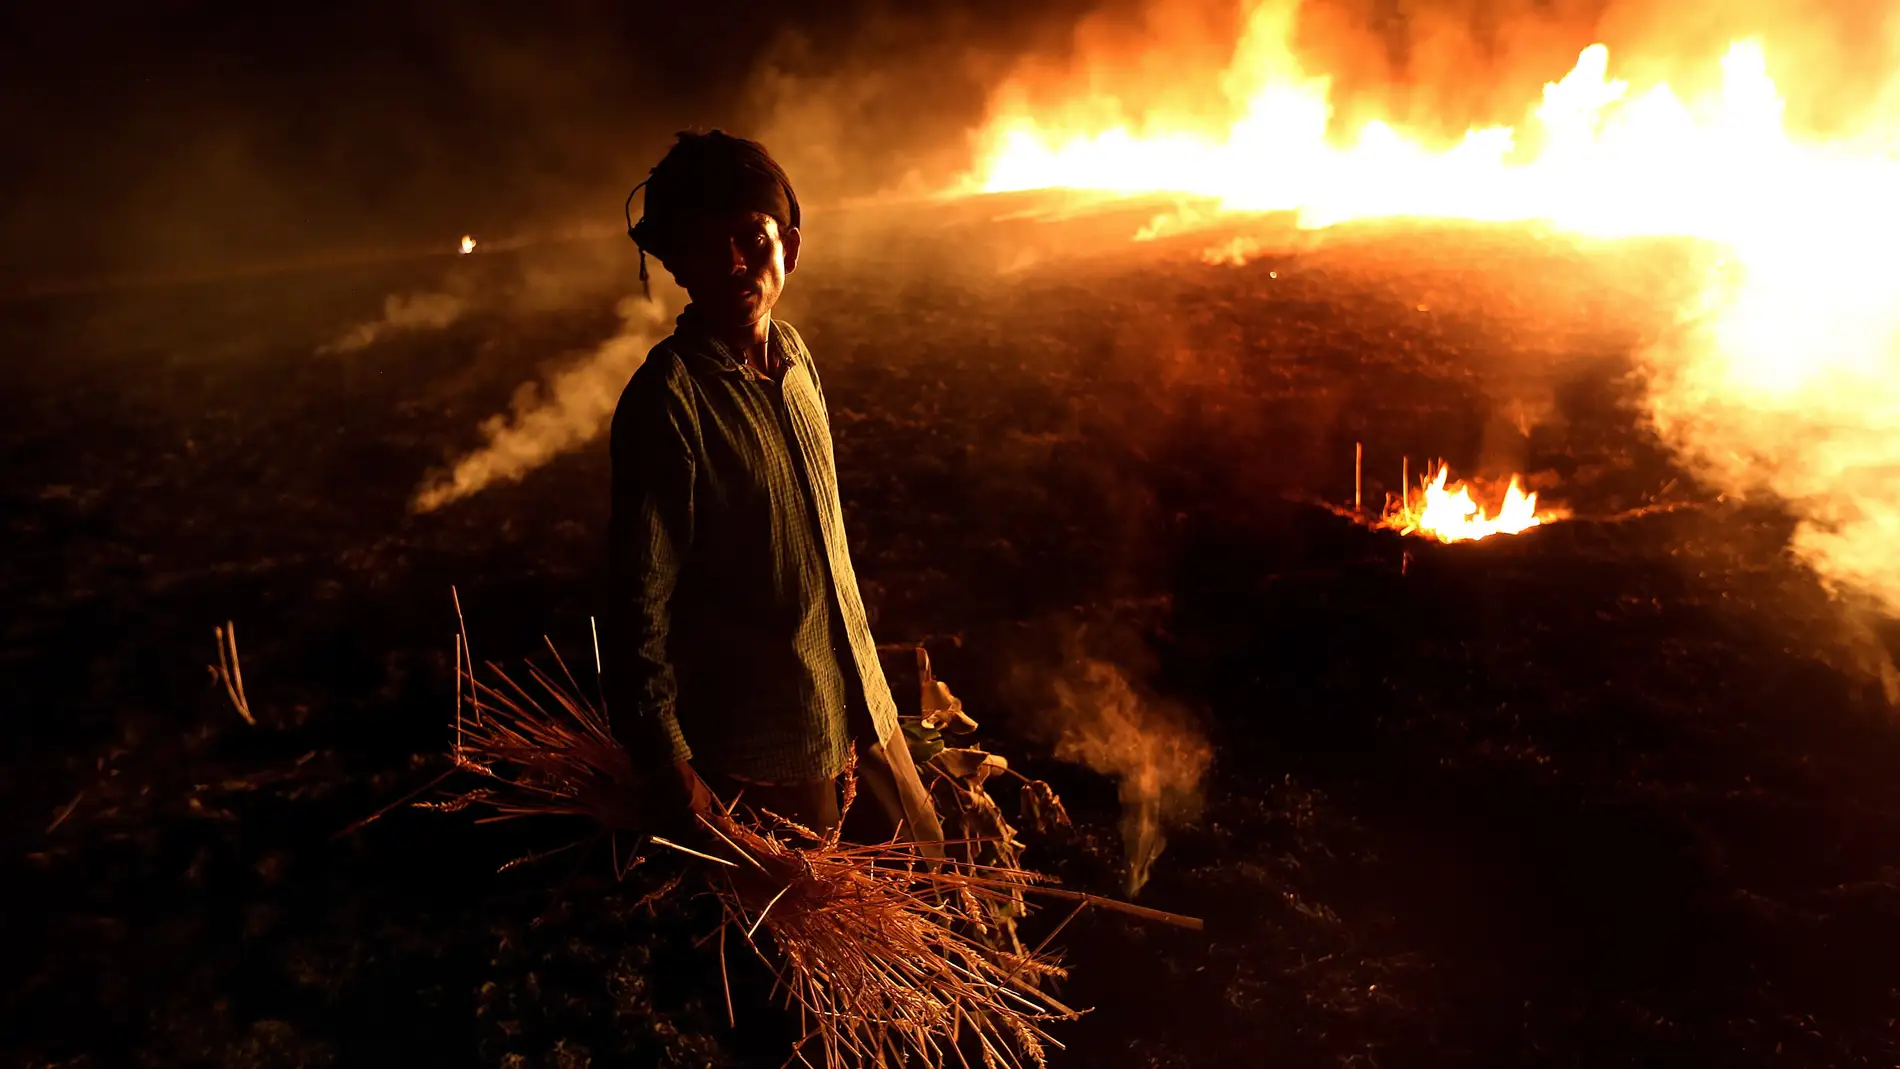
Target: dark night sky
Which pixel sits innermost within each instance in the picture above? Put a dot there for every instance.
(195, 134)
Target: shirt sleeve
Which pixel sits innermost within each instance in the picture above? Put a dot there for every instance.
(649, 534)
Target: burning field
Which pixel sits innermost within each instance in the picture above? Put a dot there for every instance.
(1458, 569)
(1615, 787)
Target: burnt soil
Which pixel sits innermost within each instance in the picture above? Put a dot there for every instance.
(1618, 791)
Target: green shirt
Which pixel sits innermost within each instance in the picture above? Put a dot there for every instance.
(735, 635)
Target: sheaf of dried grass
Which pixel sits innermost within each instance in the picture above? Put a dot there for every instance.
(873, 946)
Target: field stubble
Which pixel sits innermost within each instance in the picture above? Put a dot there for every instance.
(1611, 792)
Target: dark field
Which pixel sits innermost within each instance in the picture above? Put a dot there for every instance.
(1618, 791)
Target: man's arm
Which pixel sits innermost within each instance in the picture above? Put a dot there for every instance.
(648, 536)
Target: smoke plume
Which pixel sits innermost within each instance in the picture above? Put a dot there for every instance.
(1791, 386)
(1153, 751)
(401, 312)
(545, 420)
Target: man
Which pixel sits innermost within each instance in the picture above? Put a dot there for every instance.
(738, 641)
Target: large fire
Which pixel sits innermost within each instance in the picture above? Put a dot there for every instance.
(1785, 374)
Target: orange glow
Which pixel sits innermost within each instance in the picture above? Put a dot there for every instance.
(468, 244)
(1783, 376)
(1449, 514)
(1609, 161)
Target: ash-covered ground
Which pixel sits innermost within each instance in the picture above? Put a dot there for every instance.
(1619, 791)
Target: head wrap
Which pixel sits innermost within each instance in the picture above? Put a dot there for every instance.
(708, 174)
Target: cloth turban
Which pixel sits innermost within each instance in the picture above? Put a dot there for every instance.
(709, 174)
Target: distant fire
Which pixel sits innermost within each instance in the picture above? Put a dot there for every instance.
(468, 244)
(1784, 373)
(1598, 156)
(1449, 514)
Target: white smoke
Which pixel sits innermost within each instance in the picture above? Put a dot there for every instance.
(401, 312)
(1787, 381)
(547, 419)
(1154, 752)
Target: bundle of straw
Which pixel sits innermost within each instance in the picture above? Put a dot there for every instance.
(879, 950)
(873, 946)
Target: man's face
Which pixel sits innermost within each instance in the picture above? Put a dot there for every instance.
(734, 266)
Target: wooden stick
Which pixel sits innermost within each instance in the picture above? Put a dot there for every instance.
(1358, 465)
(1405, 486)
(1193, 924)
(1116, 905)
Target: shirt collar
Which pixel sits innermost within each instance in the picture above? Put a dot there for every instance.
(701, 344)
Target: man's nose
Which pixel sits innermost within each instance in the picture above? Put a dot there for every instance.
(739, 265)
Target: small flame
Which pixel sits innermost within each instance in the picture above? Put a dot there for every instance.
(1449, 514)
(468, 244)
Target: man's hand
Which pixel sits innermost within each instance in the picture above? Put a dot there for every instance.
(676, 797)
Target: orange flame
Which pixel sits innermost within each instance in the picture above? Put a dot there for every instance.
(1449, 514)
(1608, 162)
(468, 244)
(1785, 374)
